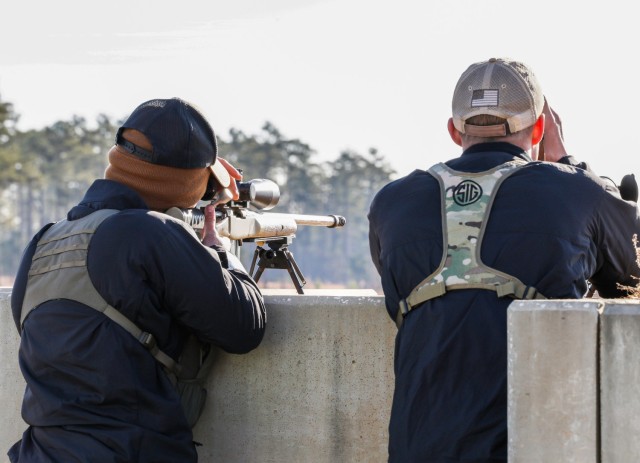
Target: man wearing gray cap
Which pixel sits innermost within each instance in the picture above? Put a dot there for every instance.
(456, 243)
(120, 307)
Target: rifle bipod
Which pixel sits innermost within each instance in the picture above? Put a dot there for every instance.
(278, 256)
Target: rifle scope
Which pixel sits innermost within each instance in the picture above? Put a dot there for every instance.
(260, 192)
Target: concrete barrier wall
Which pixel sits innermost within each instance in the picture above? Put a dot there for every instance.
(620, 382)
(318, 388)
(574, 381)
(552, 378)
(11, 382)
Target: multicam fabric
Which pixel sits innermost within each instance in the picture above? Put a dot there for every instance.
(467, 200)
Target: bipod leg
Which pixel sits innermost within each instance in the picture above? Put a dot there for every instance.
(253, 264)
(294, 271)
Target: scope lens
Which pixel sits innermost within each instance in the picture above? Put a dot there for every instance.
(260, 192)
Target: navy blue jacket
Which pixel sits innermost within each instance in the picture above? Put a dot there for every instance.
(94, 393)
(552, 226)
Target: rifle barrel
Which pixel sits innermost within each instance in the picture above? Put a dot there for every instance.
(330, 221)
(258, 224)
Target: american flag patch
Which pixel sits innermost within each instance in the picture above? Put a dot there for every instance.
(484, 98)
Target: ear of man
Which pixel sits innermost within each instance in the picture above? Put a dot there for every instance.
(538, 131)
(455, 135)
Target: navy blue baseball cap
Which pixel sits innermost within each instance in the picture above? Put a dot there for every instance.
(179, 134)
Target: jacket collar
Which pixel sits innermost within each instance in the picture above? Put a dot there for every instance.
(498, 147)
(106, 194)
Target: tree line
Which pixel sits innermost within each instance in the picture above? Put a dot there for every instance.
(44, 172)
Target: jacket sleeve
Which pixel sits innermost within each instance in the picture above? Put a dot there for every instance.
(618, 221)
(617, 224)
(374, 247)
(571, 161)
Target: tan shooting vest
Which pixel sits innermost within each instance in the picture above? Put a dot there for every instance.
(59, 271)
(466, 204)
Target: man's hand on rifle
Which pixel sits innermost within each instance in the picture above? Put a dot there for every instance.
(210, 236)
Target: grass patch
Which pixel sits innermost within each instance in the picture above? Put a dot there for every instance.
(633, 291)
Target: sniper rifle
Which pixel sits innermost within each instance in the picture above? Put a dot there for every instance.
(244, 220)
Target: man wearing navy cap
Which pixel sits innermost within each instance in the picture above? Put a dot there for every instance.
(107, 299)
(457, 243)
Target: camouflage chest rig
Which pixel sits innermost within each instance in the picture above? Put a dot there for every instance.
(466, 204)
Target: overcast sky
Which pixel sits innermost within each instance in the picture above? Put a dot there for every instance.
(343, 74)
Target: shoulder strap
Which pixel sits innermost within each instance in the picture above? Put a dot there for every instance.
(467, 199)
(145, 338)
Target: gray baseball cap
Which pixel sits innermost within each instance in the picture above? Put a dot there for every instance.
(499, 87)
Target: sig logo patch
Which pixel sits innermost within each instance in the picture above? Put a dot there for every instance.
(466, 193)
